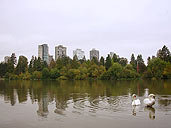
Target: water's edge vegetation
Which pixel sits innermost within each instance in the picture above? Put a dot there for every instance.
(65, 68)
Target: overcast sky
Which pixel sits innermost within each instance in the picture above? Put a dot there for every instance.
(120, 26)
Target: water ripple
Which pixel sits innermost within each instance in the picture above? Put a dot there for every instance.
(102, 103)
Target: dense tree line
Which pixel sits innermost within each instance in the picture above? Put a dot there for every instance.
(114, 68)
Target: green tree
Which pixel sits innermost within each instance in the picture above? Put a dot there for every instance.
(54, 73)
(108, 63)
(102, 61)
(91, 71)
(115, 58)
(133, 62)
(148, 73)
(75, 63)
(52, 64)
(22, 65)
(27, 76)
(141, 67)
(37, 75)
(95, 71)
(73, 74)
(30, 68)
(148, 60)
(83, 72)
(44, 64)
(101, 70)
(164, 54)
(3, 69)
(37, 64)
(45, 73)
(64, 61)
(129, 72)
(123, 61)
(156, 66)
(114, 72)
(95, 61)
(167, 71)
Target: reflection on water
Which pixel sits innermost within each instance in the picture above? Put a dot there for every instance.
(43, 107)
(135, 110)
(100, 99)
(151, 112)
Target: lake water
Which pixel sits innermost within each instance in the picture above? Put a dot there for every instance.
(83, 104)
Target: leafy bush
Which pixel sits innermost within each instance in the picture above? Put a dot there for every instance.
(37, 75)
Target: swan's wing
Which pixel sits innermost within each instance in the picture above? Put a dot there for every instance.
(136, 102)
(147, 101)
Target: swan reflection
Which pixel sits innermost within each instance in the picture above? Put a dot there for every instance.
(151, 112)
(135, 110)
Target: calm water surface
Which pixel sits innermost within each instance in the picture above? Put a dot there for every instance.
(83, 104)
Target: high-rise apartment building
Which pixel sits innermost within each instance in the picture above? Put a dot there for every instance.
(94, 53)
(79, 53)
(60, 51)
(43, 52)
(111, 54)
(6, 59)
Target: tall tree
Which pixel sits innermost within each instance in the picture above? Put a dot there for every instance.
(95, 60)
(133, 62)
(108, 63)
(10, 66)
(31, 69)
(102, 61)
(141, 67)
(123, 61)
(164, 54)
(52, 64)
(75, 62)
(22, 65)
(39, 64)
(3, 69)
(44, 64)
(115, 58)
(148, 60)
(45, 73)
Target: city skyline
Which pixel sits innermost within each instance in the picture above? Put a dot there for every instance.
(52, 55)
(123, 27)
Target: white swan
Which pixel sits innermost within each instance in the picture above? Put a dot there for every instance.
(135, 101)
(150, 101)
